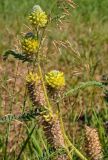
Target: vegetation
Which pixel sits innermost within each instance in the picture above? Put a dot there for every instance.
(53, 74)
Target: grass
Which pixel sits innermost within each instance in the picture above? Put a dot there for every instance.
(79, 48)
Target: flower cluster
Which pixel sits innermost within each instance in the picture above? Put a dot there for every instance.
(35, 90)
(49, 121)
(30, 45)
(32, 78)
(38, 17)
(55, 79)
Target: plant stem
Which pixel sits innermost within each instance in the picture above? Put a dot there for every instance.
(68, 142)
(81, 86)
(47, 100)
(6, 143)
(44, 88)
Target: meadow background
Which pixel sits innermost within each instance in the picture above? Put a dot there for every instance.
(82, 55)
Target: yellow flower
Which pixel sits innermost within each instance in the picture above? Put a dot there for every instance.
(30, 45)
(31, 77)
(38, 17)
(55, 79)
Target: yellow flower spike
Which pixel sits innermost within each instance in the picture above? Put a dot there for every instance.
(55, 79)
(38, 17)
(31, 77)
(30, 45)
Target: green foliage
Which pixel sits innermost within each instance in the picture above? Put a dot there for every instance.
(90, 10)
(26, 116)
(87, 59)
(19, 56)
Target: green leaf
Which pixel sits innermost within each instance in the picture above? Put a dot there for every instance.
(19, 56)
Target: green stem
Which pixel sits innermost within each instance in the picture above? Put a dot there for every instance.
(47, 100)
(69, 143)
(6, 143)
(82, 86)
(44, 88)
